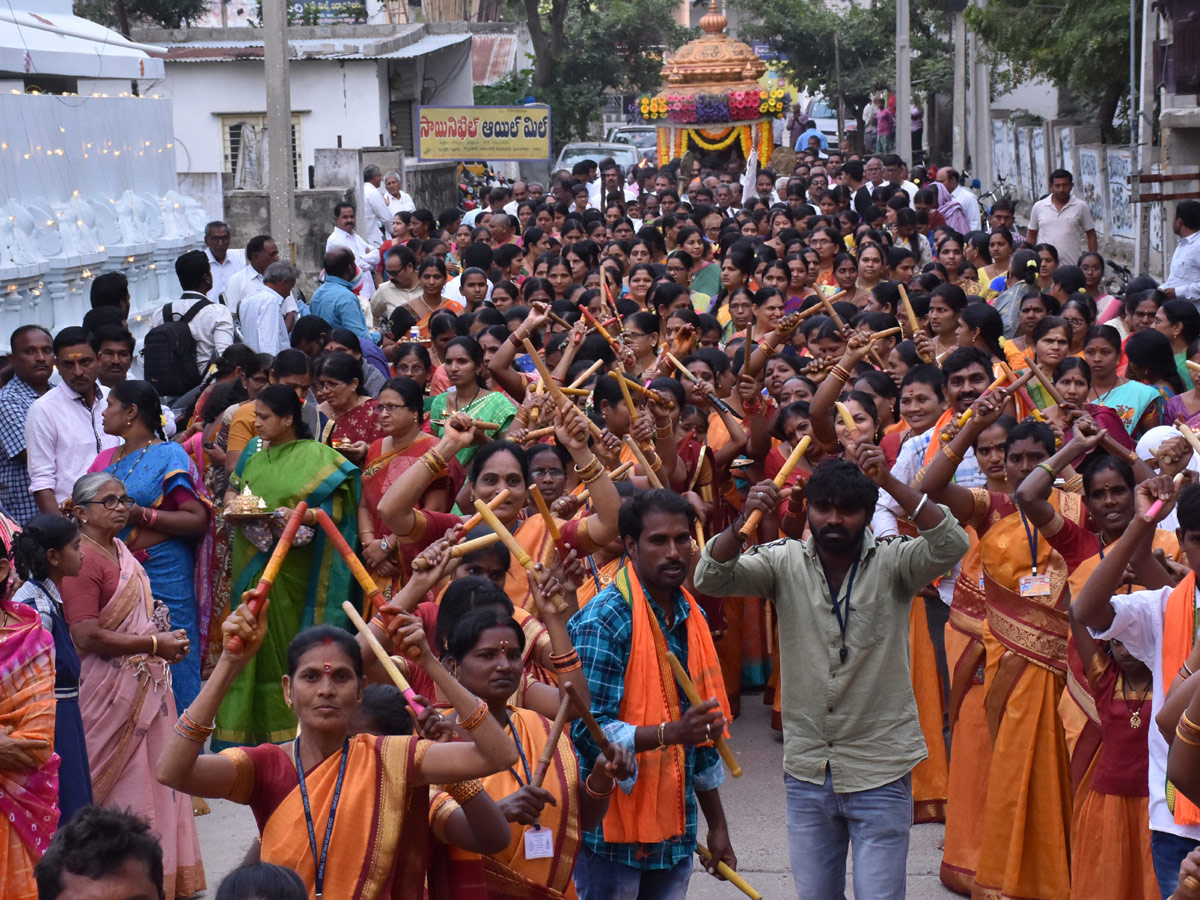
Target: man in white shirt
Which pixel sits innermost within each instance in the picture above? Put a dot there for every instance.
(395, 197)
(365, 255)
(1062, 220)
(261, 251)
(964, 195)
(520, 193)
(376, 215)
(1183, 279)
(212, 326)
(263, 327)
(401, 288)
(64, 428)
(223, 262)
(1138, 620)
(896, 172)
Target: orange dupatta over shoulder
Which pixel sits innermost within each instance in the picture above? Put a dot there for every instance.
(1179, 635)
(656, 810)
(380, 842)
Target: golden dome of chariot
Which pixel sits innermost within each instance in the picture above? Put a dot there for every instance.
(713, 63)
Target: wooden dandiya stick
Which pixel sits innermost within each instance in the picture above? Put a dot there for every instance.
(970, 411)
(585, 714)
(551, 526)
(620, 473)
(700, 539)
(887, 332)
(1158, 504)
(422, 563)
(712, 398)
(689, 690)
(1046, 383)
(475, 423)
(914, 324)
(637, 386)
(575, 392)
(539, 433)
(556, 730)
(535, 410)
(385, 660)
(370, 589)
(650, 474)
(1184, 429)
(827, 302)
(729, 874)
(586, 374)
(506, 536)
(811, 311)
(1192, 366)
(495, 503)
(559, 320)
(623, 384)
(751, 524)
(596, 324)
(271, 571)
(560, 399)
(847, 419)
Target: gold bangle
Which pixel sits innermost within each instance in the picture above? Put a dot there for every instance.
(462, 791)
(154, 645)
(664, 432)
(1182, 735)
(476, 718)
(592, 792)
(1186, 668)
(951, 455)
(840, 372)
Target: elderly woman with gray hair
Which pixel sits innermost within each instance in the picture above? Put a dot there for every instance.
(126, 646)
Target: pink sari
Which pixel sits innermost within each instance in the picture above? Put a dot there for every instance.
(128, 718)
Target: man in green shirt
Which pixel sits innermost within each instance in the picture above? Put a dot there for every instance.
(850, 729)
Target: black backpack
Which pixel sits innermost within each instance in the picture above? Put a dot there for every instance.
(169, 353)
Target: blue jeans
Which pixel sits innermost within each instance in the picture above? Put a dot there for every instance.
(1168, 850)
(597, 878)
(823, 824)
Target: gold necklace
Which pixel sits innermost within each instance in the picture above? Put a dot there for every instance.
(109, 553)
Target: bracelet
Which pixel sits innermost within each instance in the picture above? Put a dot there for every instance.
(154, 645)
(1186, 668)
(662, 737)
(1187, 731)
(590, 471)
(1074, 484)
(433, 461)
(1048, 469)
(840, 373)
(592, 792)
(664, 432)
(189, 730)
(920, 506)
(475, 719)
(516, 341)
(462, 791)
(152, 517)
(564, 659)
(951, 455)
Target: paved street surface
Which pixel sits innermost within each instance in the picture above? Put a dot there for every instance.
(754, 805)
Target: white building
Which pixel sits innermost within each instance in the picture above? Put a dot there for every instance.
(351, 86)
(87, 169)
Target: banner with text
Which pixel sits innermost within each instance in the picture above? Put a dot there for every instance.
(494, 133)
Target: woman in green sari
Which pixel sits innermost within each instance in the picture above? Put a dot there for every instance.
(468, 393)
(284, 466)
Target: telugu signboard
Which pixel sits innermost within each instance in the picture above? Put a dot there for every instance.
(494, 133)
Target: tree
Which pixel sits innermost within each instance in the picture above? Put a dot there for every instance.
(1082, 46)
(582, 48)
(122, 14)
(803, 30)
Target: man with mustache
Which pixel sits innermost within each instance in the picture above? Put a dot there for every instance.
(850, 729)
(646, 843)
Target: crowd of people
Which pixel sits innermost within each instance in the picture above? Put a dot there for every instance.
(665, 442)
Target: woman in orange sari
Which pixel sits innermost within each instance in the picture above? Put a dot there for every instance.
(401, 413)
(345, 812)
(497, 467)
(1026, 815)
(546, 820)
(28, 763)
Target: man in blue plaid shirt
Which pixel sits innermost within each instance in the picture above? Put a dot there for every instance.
(32, 359)
(644, 846)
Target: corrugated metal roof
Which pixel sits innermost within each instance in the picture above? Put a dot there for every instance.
(492, 57)
(316, 48)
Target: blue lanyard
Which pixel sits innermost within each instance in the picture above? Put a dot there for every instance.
(520, 752)
(843, 618)
(1031, 535)
(319, 861)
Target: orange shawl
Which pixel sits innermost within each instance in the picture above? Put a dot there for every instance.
(935, 442)
(1179, 635)
(380, 843)
(656, 809)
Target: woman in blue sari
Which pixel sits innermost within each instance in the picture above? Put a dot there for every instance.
(171, 522)
(284, 466)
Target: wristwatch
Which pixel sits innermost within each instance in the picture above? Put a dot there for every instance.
(383, 545)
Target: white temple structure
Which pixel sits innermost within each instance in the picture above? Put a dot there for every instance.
(87, 170)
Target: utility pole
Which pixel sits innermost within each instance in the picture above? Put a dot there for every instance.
(958, 99)
(279, 124)
(981, 100)
(903, 83)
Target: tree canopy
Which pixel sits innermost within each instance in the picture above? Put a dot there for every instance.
(122, 14)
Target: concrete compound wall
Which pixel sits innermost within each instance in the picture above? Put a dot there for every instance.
(249, 213)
